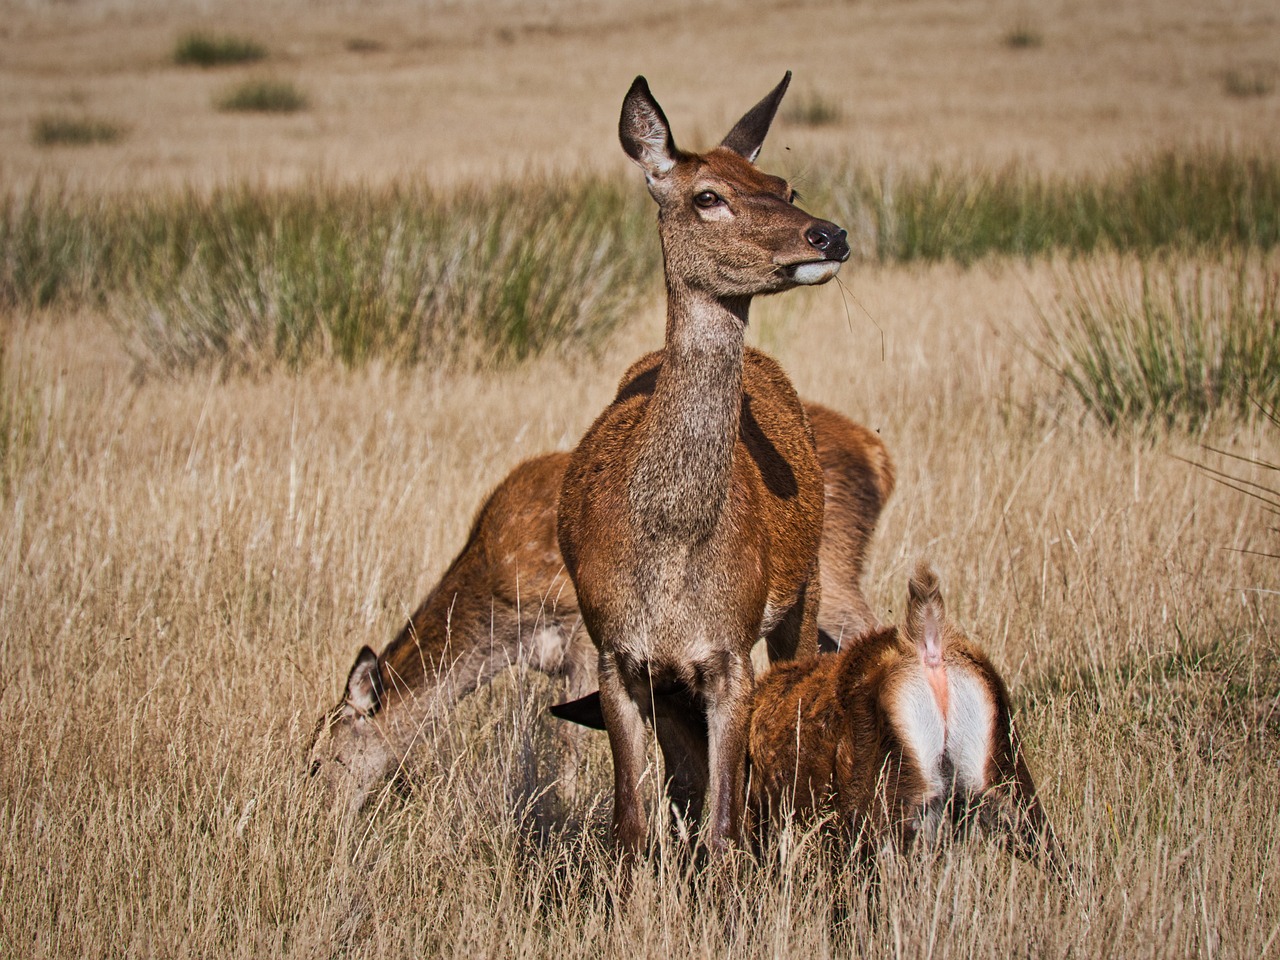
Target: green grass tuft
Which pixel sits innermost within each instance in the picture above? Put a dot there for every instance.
(56, 130)
(1023, 36)
(1173, 345)
(207, 50)
(253, 281)
(252, 278)
(263, 96)
(364, 45)
(812, 109)
(1254, 80)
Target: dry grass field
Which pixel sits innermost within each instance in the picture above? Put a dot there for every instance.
(188, 562)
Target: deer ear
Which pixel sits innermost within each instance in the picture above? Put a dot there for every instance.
(645, 133)
(747, 136)
(364, 683)
(585, 711)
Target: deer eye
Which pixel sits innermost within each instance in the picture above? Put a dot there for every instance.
(708, 199)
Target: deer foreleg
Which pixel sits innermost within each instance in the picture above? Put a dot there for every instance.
(625, 723)
(728, 719)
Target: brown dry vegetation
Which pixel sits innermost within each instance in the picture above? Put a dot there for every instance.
(188, 565)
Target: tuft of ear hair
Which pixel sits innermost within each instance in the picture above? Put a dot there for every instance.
(645, 132)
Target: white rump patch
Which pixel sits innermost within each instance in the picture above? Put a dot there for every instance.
(920, 724)
(819, 272)
(970, 723)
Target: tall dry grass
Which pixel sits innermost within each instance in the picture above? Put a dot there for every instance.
(188, 565)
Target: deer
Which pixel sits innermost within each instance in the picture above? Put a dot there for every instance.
(691, 512)
(505, 600)
(903, 729)
(906, 728)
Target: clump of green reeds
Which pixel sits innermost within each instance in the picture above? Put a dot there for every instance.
(1169, 201)
(55, 130)
(1023, 36)
(251, 277)
(1250, 80)
(55, 248)
(210, 50)
(364, 45)
(263, 96)
(256, 280)
(1173, 345)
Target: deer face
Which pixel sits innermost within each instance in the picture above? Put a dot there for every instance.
(728, 228)
(349, 755)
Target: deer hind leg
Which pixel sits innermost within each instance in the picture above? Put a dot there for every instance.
(1012, 808)
(579, 671)
(796, 634)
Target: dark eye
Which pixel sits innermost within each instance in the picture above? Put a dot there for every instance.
(794, 198)
(707, 199)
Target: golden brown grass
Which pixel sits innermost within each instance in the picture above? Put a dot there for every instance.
(186, 568)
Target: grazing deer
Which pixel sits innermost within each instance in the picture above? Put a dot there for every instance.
(505, 600)
(691, 511)
(901, 729)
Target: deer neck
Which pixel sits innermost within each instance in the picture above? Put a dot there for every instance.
(685, 454)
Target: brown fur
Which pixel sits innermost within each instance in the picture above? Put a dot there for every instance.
(692, 509)
(825, 739)
(858, 479)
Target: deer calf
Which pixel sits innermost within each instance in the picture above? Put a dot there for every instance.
(903, 729)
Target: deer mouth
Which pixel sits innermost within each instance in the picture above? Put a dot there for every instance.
(812, 272)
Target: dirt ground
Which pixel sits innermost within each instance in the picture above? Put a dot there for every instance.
(449, 91)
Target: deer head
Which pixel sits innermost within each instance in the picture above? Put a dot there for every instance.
(349, 755)
(728, 229)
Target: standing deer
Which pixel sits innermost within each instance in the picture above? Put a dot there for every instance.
(691, 511)
(904, 727)
(505, 600)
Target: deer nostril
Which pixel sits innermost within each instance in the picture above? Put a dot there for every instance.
(818, 238)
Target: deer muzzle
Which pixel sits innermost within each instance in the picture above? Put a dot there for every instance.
(831, 243)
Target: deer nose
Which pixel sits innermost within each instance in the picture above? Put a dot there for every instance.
(828, 239)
